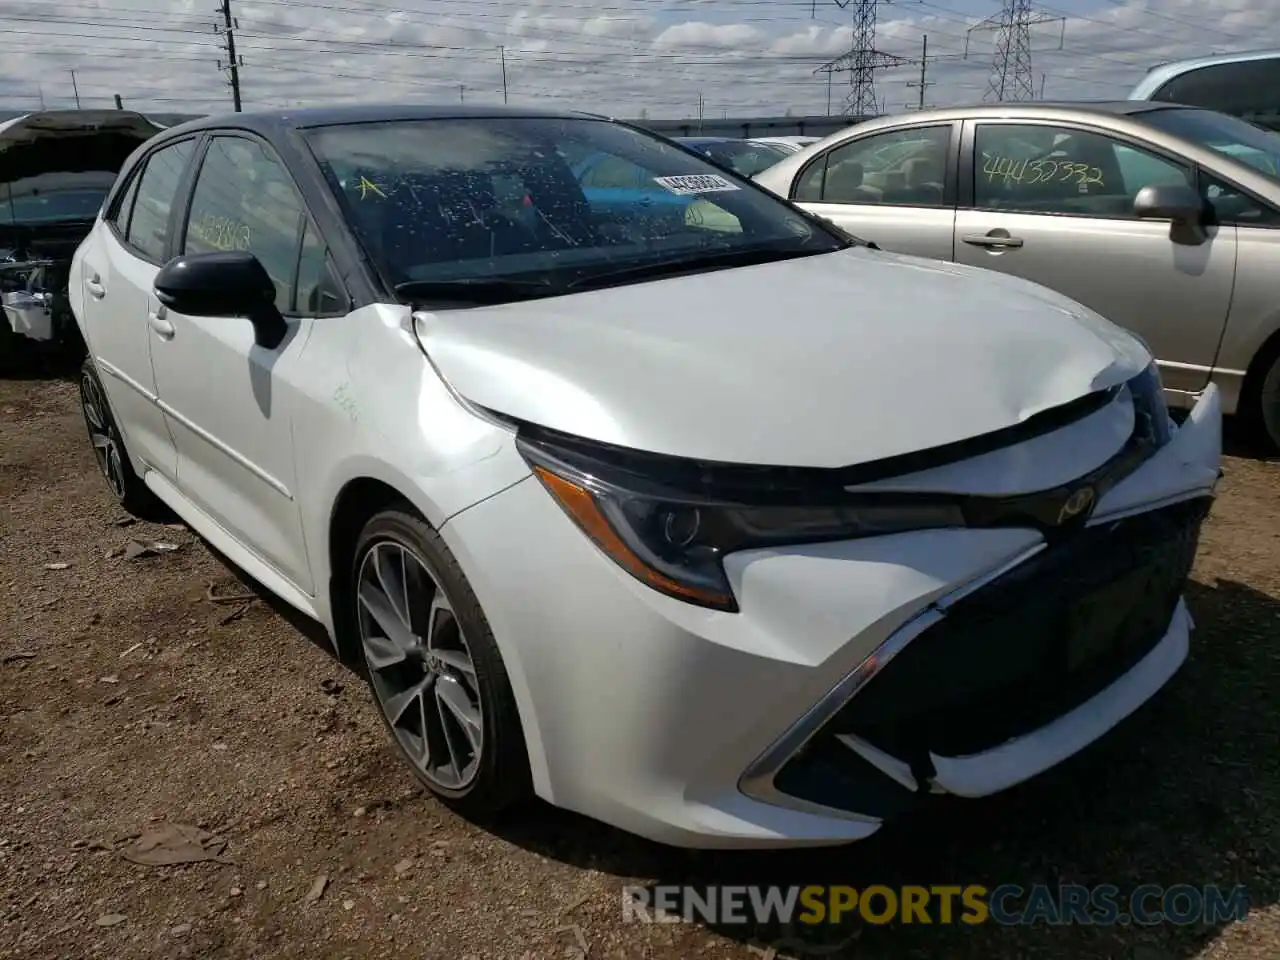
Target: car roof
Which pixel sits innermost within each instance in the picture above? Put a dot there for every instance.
(1162, 73)
(1103, 107)
(267, 122)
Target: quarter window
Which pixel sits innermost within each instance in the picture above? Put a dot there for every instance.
(244, 199)
(1063, 170)
(148, 227)
(124, 207)
(900, 167)
(319, 293)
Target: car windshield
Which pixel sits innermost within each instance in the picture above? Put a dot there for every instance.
(1228, 135)
(527, 203)
(54, 198)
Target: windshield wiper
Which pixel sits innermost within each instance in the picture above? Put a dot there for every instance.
(477, 289)
(716, 260)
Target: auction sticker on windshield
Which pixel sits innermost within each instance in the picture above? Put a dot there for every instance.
(696, 183)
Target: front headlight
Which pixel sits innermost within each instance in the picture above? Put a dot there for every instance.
(676, 543)
(1148, 401)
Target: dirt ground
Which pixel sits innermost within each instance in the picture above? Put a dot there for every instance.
(128, 698)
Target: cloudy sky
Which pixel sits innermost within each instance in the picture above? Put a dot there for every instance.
(742, 57)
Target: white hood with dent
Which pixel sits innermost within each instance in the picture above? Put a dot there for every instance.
(824, 361)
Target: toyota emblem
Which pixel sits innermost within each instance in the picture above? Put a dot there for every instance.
(1077, 504)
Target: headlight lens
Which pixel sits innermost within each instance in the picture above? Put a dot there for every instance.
(676, 544)
(1148, 400)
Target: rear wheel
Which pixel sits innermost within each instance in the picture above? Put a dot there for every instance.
(108, 447)
(434, 667)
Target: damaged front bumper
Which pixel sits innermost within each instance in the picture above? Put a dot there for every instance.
(1011, 674)
(702, 728)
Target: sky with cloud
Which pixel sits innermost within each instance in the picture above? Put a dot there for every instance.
(623, 57)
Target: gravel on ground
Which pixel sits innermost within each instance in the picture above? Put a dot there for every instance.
(134, 695)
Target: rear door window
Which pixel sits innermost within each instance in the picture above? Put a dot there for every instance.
(148, 231)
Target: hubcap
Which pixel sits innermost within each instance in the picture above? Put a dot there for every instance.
(420, 664)
(102, 434)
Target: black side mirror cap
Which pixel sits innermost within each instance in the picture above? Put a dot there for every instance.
(224, 283)
(1178, 203)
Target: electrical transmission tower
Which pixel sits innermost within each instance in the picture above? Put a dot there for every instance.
(1011, 74)
(862, 61)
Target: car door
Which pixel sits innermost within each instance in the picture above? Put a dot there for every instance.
(229, 402)
(1053, 203)
(1255, 312)
(895, 188)
(117, 269)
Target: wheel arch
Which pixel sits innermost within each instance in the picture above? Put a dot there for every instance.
(1267, 354)
(359, 499)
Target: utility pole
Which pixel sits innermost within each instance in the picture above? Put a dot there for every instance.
(119, 102)
(1042, 79)
(75, 88)
(40, 88)
(922, 83)
(229, 26)
(1011, 74)
(699, 111)
(862, 60)
(502, 54)
(462, 93)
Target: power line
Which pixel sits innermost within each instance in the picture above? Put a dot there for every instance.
(1011, 74)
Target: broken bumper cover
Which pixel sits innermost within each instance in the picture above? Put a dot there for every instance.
(693, 727)
(1010, 675)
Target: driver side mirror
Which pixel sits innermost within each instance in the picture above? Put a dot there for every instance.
(1178, 203)
(225, 283)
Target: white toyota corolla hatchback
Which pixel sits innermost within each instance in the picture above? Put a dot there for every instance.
(649, 494)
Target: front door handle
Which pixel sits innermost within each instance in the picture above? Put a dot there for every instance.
(95, 287)
(993, 243)
(159, 322)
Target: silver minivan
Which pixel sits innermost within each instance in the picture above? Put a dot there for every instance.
(1245, 85)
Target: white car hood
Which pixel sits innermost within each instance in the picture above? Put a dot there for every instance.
(824, 361)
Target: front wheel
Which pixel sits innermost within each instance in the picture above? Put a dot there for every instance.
(434, 667)
(1266, 412)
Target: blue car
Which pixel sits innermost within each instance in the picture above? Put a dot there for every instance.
(612, 184)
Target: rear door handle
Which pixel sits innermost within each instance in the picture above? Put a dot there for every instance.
(95, 288)
(159, 322)
(994, 243)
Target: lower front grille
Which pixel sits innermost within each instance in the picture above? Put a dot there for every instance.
(1009, 658)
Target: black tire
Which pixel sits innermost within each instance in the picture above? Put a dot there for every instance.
(108, 448)
(9, 346)
(501, 776)
(1263, 410)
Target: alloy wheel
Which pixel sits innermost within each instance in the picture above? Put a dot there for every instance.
(420, 665)
(102, 434)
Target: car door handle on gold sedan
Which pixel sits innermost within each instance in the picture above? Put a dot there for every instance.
(993, 243)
